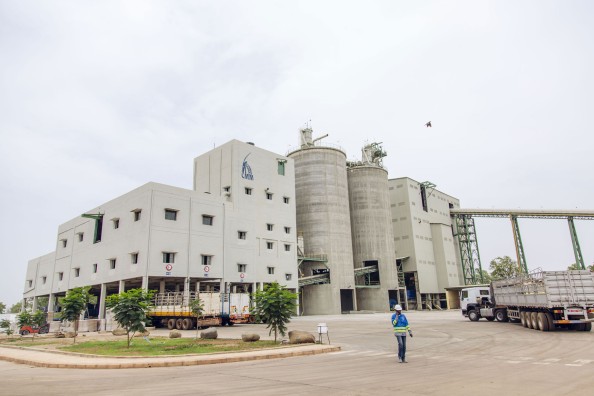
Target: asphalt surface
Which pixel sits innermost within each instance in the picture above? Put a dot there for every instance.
(449, 355)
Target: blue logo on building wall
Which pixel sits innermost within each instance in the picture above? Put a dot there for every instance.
(246, 171)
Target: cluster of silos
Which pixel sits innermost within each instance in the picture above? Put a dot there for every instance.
(374, 254)
(324, 222)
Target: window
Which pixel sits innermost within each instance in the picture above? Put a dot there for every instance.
(281, 167)
(269, 245)
(424, 197)
(207, 220)
(270, 270)
(134, 258)
(287, 247)
(81, 236)
(241, 234)
(64, 242)
(30, 283)
(43, 279)
(286, 200)
(241, 267)
(269, 227)
(112, 263)
(205, 259)
(94, 268)
(60, 276)
(248, 191)
(287, 230)
(269, 196)
(288, 276)
(227, 188)
(137, 213)
(171, 214)
(116, 223)
(76, 272)
(168, 257)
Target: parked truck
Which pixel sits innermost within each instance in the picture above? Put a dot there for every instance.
(540, 300)
(173, 309)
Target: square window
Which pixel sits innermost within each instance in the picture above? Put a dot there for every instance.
(269, 245)
(76, 272)
(241, 234)
(64, 242)
(227, 188)
(269, 227)
(207, 220)
(94, 268)
(270, 270)
(81, 236)
(116, 223)
(137, 213)
(112, 263)
(287, 230)
(206, 259)
(171, 214)
(269, 196)
(60, 276)
(288, 276)
(286, 200)
(168, 257)
(43, 279)
(241, 267)
(281, 167)
(248, 191)
(287, 247)
(30, 283)
(134, 258)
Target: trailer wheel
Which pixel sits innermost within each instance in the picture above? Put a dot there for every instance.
(187, 324)
(534, 320)
(501, 316)
(549, 317)
(473, 315)
(523, 318)
(171, 324)
(588, 326)
(179, 323)
(543, 323)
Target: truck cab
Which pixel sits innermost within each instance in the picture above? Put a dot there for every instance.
(472, 297)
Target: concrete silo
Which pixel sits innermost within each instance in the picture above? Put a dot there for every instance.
(322, 204)
(374, 256)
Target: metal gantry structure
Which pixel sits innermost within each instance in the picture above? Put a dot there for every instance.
(468, 244)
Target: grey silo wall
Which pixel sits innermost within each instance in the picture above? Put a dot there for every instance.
(372, 233)
(322, 204)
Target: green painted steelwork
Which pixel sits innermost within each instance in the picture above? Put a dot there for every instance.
(577, 251)
(519, 246)
(98, 225)
(469, 253)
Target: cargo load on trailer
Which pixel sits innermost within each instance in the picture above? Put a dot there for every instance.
(541, 300)
(173, 309)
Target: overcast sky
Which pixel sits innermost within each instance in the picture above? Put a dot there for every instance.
(98, 98)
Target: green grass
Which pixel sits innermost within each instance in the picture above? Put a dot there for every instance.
(165, 346)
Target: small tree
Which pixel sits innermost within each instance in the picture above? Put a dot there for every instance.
(130, 309)
(2, 307)
(5, 324)
(504, 267)
(197, 308)
(73, 305)
(486, 277)
(275, 306)
(16, 308)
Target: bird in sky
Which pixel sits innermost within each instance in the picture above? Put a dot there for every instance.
(428, 125)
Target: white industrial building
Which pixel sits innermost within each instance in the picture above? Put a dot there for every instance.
(340, 232)
(236, 231)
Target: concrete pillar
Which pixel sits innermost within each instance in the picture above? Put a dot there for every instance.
(198, 287)
(145, 283)
(177, 287)
(50, 303)
(23, 304)
(34, 308)
(187, 289)
(254, 287)
(102, 295)
(162, 286)
(122, 286)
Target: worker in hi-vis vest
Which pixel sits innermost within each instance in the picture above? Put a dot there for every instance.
(401, 327)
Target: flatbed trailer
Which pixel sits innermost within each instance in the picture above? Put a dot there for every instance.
(173, 309)
(541, 300)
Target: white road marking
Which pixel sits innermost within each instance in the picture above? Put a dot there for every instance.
(552, 360)
(514, 361)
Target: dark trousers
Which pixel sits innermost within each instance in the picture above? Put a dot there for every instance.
(401, 345)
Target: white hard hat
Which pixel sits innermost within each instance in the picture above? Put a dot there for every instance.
(397, 307)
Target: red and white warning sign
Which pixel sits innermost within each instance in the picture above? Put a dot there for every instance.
(242, 275)
(206, 268)
(169, 267)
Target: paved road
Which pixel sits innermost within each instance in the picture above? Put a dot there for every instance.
(449, 355)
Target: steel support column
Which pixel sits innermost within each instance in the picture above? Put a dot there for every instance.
(469, 253)
(518, 242)
(577, 251)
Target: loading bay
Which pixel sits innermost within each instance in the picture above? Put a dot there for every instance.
(449, 355)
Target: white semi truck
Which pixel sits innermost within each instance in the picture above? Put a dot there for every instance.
(541, 300)
(173, 309)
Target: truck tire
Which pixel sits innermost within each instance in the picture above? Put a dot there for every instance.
(179, 323)
(24, 332)
(501, 315)
(588, 326)
(523, 319)
(473, 315)
(528, 319)
(534, 320)
(549, 317)
(171, 324)
(187, 324)
(543, 323)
